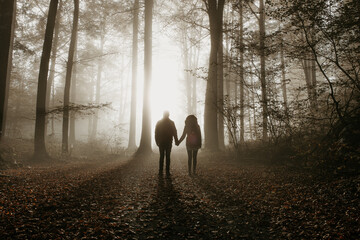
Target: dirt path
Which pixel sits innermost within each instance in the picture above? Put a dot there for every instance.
(126, 199)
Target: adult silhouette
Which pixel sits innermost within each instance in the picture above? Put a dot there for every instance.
(165, 131)
(193, 141)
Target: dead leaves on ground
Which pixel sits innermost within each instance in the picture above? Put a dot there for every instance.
(224, 201)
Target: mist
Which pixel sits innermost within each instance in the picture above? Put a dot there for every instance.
(256, 103)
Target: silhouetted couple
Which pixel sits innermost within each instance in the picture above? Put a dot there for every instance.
(165, 131)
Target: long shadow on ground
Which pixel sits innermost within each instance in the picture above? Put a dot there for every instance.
(97, 208)
(170, 218)
(237, 218)
(131, 201)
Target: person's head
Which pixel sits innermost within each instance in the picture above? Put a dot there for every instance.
(166, 114)
(191, 121)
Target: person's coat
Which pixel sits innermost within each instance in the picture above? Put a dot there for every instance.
(165, 131)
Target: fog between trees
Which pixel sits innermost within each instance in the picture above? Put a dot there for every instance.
(279, 77)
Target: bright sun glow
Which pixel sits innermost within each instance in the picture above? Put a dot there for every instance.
(167, 78)
(167, 90)
(165, 87)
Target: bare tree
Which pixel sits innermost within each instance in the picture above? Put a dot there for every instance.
(73, 90)
(187, 62)
(98, 80)
(53, 60)
(262, 35)
(309, 68)
(241, 74)
(39, 140)
(69, 67)
(262, 70)
(283, 76)
(195, 64)
(220, 94)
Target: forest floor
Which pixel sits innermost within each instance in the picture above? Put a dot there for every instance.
(126, 199)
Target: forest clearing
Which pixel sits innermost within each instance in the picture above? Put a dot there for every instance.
(126, 199)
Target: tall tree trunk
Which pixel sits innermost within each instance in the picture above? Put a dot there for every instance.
(227, 78)
(314, 84)
(310, 78)
(186, 59)
(242, 79)
(53, 104)
(215, 11)
(191, 84)
(283, 77)
(132, 131)
(220, 76)
(69, 67)
(228, 57)
(228, 65)
(191, 64)
(98, 86)
(228, 54)
(283, 86)
(123, 90)
(145, 141)
(124, 78)
(195, 65)
(53, 56)
(249, 114)
(253, 103)
(39, 139)
(7, 21)
(91, 117)
(72, 137)
(194, 95)
(236, 101)
(262, 70)
(18, 106)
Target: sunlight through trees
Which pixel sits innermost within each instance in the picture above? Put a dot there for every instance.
(256, 74)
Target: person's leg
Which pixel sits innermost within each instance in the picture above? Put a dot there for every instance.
(189, 152)
(194, 160)
(168, 151)
(161, 160)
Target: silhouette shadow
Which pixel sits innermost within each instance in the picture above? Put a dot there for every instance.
(83, 207)
(165, 189)
(170, 217)
(244, 221)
